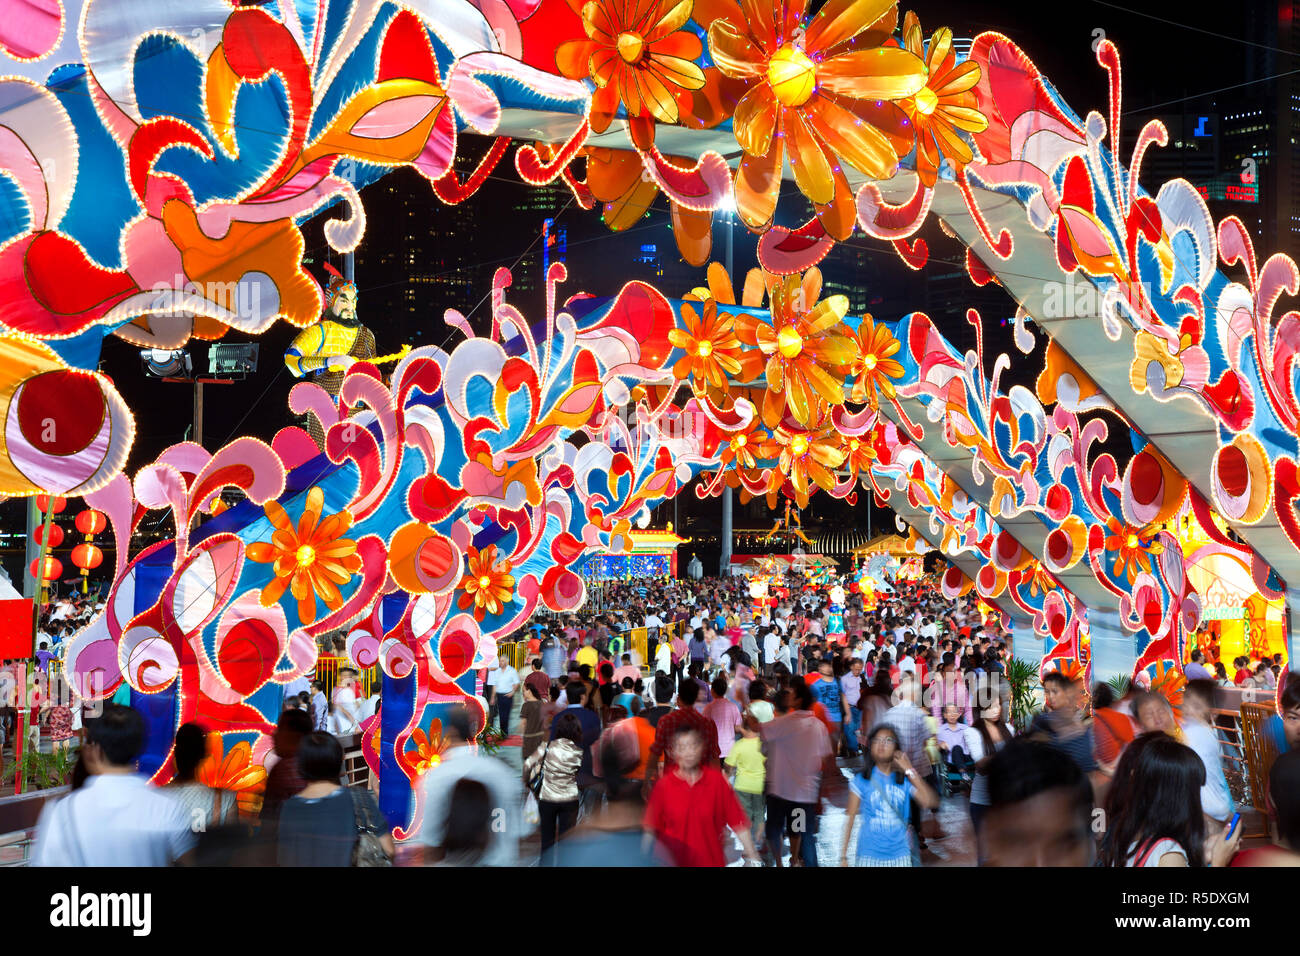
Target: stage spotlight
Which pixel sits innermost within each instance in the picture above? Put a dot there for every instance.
(166, 363)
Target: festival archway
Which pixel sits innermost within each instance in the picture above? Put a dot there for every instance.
(160, 159)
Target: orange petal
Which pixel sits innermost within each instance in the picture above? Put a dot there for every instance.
(828, 313)
(963, 77)
(839, 216)
(758, 184)
(754, 121)
(734, 53)
(677, 71)
(307, 608)
(300, 584)
(601, 64)
(277, 515)
(572, 56)
(273, 590)
(656, 97)
(596, 22)
(861, 146)
(261, 552)
(828, 387)
(720, 283)
(799, 398)
(810, 283)
(761, 20)
(812, 170)
(311, 513)
(693, 230)
(840, 20)
(953, 146)
(885, 73)
(940, 47)
(971, 120)
(751, 296)
(673, 19)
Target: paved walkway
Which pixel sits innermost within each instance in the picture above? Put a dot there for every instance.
(950, 840)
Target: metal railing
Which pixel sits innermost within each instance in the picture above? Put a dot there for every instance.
(327, 671)
(1236, 767)
(18, 816)
(1258, 751)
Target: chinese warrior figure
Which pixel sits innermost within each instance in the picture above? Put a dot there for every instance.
(331, 346)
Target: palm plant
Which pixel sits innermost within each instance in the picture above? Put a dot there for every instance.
(44, 771)
(1022, 676)
(1120, 684)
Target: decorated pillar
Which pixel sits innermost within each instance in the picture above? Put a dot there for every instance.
(1114, 649)
(1292, 627)
(725, 568)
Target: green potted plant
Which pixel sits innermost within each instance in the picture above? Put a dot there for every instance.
(45, 771)
(1022, 675)
(1120, 684)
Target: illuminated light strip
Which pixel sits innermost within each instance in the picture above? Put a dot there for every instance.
(537, 172)
(581, 192)
(1108, 57)
(711, 171)
(1004, 245)
(871, 209)
(914, 255)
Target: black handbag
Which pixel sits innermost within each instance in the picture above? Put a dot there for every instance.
(536, 778)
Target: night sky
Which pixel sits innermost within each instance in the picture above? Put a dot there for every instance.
(420, 257)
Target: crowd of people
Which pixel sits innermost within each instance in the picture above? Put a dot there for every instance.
(731, 741)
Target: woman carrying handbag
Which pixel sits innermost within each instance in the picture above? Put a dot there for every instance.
(552, 774)
(327, 824)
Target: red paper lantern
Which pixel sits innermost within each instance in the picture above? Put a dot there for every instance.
(56, 535)
(87, 556)
(91, 521)
(43, 503)
(53, 569)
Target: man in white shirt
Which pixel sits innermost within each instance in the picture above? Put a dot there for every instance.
(664, 657)
(116, 818)
(507, 682)
(771, 648)
(652, 619)
(345, 719)
(459, 762)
